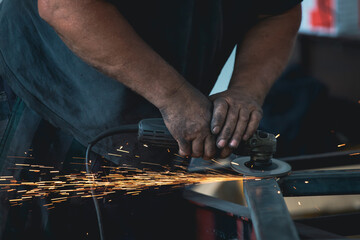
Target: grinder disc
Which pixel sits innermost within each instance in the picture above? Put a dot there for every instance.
(277, 168)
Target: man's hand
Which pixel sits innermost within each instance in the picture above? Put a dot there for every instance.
(187, 115)
(236, 117)
(260, 58)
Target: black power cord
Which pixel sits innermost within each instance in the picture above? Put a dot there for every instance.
(131, 128)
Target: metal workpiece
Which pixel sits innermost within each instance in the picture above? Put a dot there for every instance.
(216, 203)
(316, 183)
(269, 214)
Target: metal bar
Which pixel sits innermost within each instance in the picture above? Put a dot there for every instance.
(216, 203)
(323, 160)
(317, 183)
(269, 214)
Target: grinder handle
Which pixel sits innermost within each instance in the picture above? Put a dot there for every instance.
(153, 132)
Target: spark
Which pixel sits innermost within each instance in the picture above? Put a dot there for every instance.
(6, 177)
(354, 154)
(299, 203)
(155, 164)
(23, 165)
(113, 154)
(306, 182)
(178, 155)
(120, 150)
(341, 145)
(278, 135)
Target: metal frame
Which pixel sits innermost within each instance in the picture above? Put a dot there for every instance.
(266, 206)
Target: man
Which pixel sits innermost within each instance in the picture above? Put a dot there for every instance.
(90, 65)
(170, 53)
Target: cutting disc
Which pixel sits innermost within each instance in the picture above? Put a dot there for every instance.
(277, 168)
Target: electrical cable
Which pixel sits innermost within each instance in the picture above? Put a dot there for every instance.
(131, 128)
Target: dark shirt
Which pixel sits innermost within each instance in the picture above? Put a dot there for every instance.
(195, 36)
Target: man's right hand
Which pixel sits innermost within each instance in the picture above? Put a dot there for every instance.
(187, 115)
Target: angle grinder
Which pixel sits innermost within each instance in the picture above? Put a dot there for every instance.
(257, 152)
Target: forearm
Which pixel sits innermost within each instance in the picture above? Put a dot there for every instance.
(264, 53)
(96, 32)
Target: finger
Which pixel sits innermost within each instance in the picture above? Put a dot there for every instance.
(229, 127)
(240, 128)
(197, 147)
(255, 118)
(209, 147)
(219, 115)
(184, 148)
(225, 152)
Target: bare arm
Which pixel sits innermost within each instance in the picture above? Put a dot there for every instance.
(97, 32)
(260, 59)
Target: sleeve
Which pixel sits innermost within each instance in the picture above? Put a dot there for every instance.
(274, 7)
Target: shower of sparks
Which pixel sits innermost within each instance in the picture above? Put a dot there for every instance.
(124, 179)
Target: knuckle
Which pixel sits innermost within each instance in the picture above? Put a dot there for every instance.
(233, 114)
(244, 117)
(259, 113)
(245, 110)
(257, 117)
(217, 119)
(220, 103)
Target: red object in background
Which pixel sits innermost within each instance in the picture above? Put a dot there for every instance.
(323, 14)
(206, 224)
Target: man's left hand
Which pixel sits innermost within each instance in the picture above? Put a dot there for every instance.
(236, 116)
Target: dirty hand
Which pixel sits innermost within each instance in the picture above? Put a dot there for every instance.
(187, 115)
(236, 116)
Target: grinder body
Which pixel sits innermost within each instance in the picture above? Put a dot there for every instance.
(259, 149)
